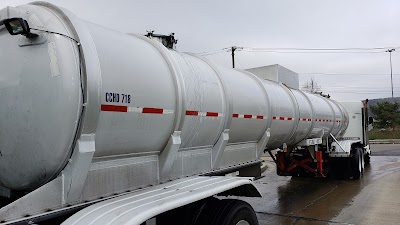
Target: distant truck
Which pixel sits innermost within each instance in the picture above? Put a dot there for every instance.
(101, 127)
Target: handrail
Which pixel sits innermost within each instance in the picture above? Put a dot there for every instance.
(337, 142)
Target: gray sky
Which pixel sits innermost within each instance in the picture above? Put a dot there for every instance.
(208, 25)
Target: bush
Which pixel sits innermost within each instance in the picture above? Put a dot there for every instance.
(386, 114)
(384, 134)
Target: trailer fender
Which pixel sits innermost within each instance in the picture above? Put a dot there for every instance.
(342, 148)
(137, 207)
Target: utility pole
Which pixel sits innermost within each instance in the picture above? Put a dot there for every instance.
(233, 49)
(391, 71)
(233, 56)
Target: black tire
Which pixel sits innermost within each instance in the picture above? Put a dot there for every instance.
(367, 158)
(356, 166)
(186, 215)
(227, 212)
(235, 211)
(362, 160)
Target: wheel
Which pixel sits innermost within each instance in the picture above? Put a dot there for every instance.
(227, 212)
(356, 164)
(361, 160)
(367, 158)
(236, 212)
(189, 214)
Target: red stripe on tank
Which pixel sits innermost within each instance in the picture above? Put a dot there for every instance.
(212, 114)
(114, 108)
(153, 110)
(192, 113)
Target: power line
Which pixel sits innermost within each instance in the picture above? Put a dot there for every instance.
(366, 88)
(211, 52)
(368, 91)
(359, 87)
(312, 52)
(356, 90)
(303, 50)
(350, 74)
(321, 49)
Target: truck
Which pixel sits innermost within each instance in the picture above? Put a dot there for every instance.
(103, 127)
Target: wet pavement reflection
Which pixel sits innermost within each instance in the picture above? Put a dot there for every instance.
(374, 199)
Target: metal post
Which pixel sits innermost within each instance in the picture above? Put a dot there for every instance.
(233, 56)
(391, 71)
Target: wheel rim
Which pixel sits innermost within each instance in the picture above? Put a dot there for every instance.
(243, 222)
(362, 161)
(360, 165)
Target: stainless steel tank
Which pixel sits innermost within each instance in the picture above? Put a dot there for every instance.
(41, 103)
(133, 93)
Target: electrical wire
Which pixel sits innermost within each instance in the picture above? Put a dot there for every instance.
(350, 74)
(64, 35)
(311, 52)
(211, 52)
(303, 50)
(358, 92)
(360, 88)
(321, 49)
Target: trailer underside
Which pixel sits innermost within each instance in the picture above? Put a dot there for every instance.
(348, 163)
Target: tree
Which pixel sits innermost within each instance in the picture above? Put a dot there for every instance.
(386, 114)
(311, 86)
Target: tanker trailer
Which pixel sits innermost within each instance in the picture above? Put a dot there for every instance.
(118, 129)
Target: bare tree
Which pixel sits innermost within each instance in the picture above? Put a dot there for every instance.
(311, 86)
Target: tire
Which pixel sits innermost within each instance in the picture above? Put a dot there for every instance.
(361, 160)
(227, 212)
(356, 164)
(237, 212)
(188, 214)
(367, 159)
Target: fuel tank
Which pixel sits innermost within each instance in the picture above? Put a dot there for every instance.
(131, 92)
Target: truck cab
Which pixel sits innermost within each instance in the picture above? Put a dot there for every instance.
(359, 124)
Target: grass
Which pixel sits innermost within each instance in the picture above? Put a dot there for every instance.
(384, 134)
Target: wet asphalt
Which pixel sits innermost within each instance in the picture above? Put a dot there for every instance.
(374, 199)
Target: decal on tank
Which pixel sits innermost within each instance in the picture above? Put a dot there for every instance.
(117, 97)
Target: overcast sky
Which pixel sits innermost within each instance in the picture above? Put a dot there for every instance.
(209, 25)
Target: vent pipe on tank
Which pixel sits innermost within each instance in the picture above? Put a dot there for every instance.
(168, 41)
